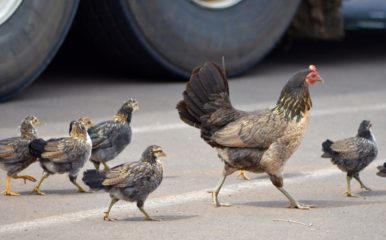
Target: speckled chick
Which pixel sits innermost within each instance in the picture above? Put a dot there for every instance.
(62, 155)
(131, 182)
(109, 138)
(353, 154)
(14, 153)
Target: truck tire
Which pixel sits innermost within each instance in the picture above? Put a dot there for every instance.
(31, 32)
(179, 35)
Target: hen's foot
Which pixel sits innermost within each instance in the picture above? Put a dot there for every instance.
(301, 206)
(243, 175)
(216, 203)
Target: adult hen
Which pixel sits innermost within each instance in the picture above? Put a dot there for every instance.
(109, 138)
(62, 155)
(256, 142)
(353, 154)
(132, 182)
(14, 154)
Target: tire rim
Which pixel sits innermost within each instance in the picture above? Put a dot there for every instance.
(216, 4)
(8, 8)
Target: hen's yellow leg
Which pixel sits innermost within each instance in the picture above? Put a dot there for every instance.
(7, 191)
(37, 187)
(215, 193)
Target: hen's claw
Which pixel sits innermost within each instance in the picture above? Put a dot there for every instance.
(243, 175)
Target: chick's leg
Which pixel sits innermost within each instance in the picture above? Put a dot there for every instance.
(96, 165)
(107, 213)
(293, 203)
(25, 178)
(73, 180)
(348, 187)
(356, 176)
(37, 187)
(147, 216)
(7, 191)
(106, 167)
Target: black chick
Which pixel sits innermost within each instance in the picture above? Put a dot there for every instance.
(131, 182)
(109, 138)
(62, 155)
(14, 154)
(382, 170)
(353, 154)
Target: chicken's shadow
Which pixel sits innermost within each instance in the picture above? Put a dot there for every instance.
(57, 192)
(161, 218)
(345, 202)
(373, 193)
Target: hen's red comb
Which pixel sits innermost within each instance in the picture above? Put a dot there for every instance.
(312, 68)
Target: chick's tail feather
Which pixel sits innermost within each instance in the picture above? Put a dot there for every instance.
(206, 92)
(93, 179)
(36, 147)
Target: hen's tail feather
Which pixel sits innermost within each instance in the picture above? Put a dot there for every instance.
(206, 92)
(94, 179)
(36, 147)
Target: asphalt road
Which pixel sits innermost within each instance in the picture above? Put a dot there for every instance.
(355, 89)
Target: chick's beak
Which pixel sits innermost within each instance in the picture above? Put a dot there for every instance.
(38, 122)
(161, 153)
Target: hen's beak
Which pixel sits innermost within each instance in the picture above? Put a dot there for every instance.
(321, 81)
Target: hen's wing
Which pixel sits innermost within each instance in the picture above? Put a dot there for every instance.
(129, 174)
(206, 105)
(353, 148)
(252, 130)
(63, 150)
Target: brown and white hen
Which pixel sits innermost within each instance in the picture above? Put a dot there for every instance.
(255, 142)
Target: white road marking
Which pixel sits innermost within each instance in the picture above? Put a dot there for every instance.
(159, 202)
(315, 113)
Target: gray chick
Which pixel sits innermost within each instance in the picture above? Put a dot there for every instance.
(131, 182)
(62, 155)
(109, 138)
(14, 154)
(353, 154)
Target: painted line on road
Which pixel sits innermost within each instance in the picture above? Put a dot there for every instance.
(159, 202)
(315, 113)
